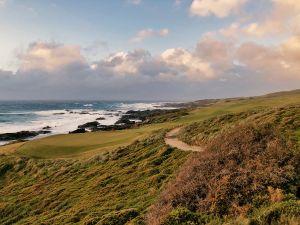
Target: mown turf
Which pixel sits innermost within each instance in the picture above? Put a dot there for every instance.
(76, 144)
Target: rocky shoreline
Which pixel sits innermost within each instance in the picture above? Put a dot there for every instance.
(22, 135)
(128, 120)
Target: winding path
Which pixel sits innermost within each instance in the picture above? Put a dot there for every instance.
(172, 140)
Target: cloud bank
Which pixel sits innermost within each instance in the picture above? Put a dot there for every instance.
(226, 62)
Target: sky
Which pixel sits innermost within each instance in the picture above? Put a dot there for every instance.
(147, 49)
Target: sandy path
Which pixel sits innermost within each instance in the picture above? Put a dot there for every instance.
(172, 140)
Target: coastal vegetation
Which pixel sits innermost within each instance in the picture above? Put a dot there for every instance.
(248, 173)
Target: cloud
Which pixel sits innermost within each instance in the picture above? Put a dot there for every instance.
(214, 67)
(3, 2)
(185, 63)
(95, 47)
(282, 20)
(50, 57)
(123, 64)
(207, 61)
(149, 33)
(219, 8)
(281, 62)
(218, 53)
(134, 2)
(177, 3)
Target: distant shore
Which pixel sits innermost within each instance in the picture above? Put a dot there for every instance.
(85, 120)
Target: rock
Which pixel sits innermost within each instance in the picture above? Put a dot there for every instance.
(112, 127)
(125, 121)
(100, 118)
(58, 113)
(90, 125)
(18, 135)
(46, 128)
(84, 112)
(44, 132)
(78, 131)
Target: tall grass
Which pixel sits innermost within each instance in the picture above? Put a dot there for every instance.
(250, 164)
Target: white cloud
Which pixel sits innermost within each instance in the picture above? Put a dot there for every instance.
(188, 64)
(3, 2)
(149, 33)
(123, 64)
(134, 2)
(281, 62)
(282, 20)
(219, 8)
(50, 57)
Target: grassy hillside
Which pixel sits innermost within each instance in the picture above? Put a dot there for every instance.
(249, 169)
(122, 183)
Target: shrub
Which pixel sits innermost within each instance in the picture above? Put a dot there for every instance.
(247, 165)
(182, 216)
(4, 168)
(277, 213)
(120, 217)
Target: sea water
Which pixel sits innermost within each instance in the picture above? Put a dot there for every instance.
(63, 116)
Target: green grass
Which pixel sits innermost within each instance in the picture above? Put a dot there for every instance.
(297, 135)
(106, 176)
(251, 160)
(79, 144)
(37, 191)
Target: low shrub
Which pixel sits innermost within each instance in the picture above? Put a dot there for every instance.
(119, 217)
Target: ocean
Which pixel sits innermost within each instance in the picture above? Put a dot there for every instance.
(62, 116)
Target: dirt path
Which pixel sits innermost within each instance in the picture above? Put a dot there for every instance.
(172, 140)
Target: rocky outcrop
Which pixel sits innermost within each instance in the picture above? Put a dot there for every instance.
(123, 120)
(21, 135)
(89, 125)
(78, 131)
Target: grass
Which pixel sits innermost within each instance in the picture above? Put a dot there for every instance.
(79, 144)
(119, 184)
(251, 161)
(113, 177)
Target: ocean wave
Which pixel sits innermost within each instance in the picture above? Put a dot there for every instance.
(49, 112)
(60, 121)
(139, 106)
(143, 106)
(16, 113)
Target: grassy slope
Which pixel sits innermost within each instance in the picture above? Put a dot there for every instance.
(250, 170)
(104, 179)
(70, 191)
